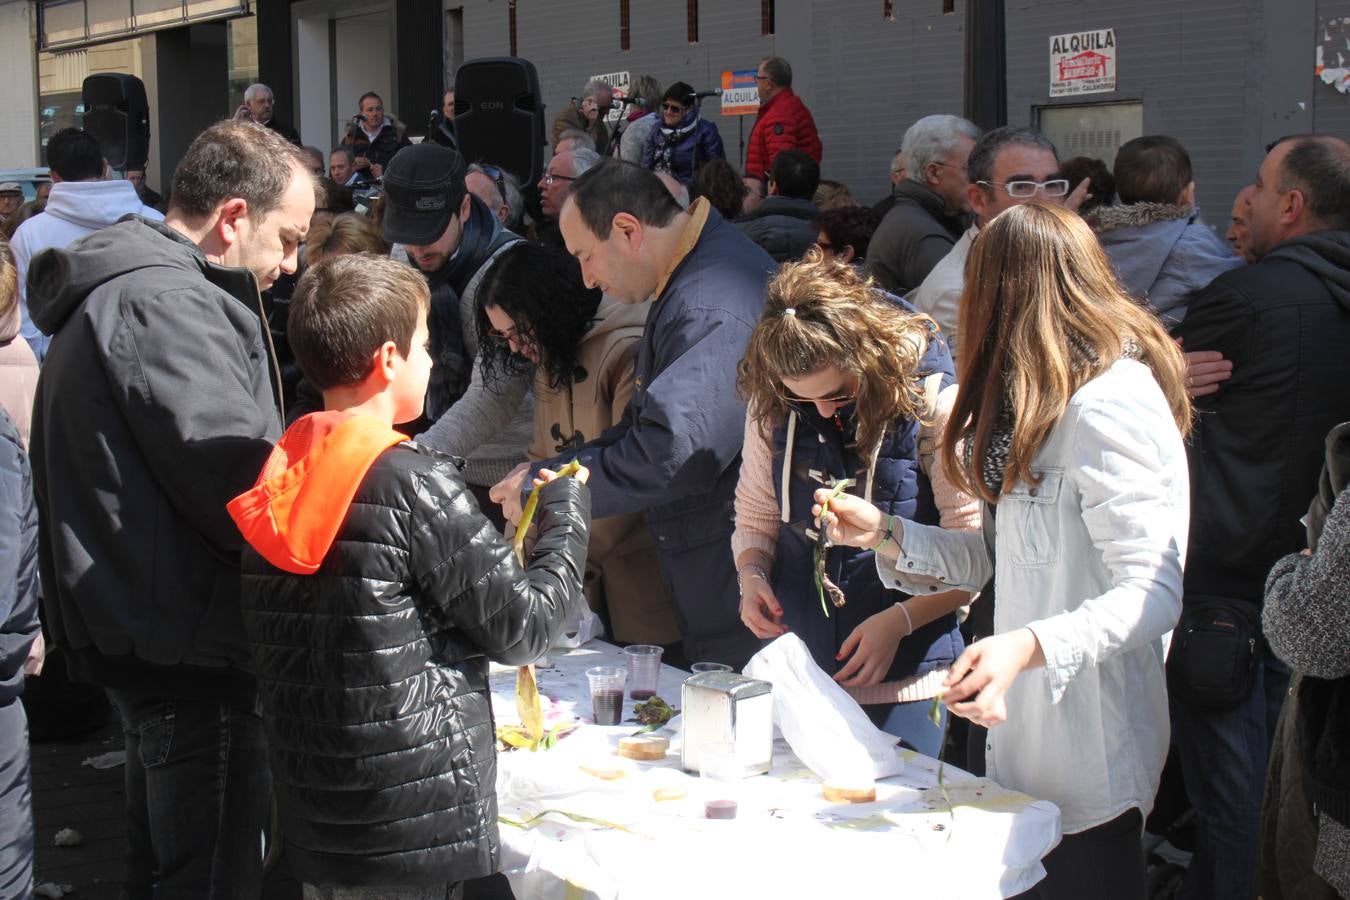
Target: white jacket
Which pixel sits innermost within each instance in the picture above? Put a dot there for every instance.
(940, 294)
(74, 209)
(1090, 560)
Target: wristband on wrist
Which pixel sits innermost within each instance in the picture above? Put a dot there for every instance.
(753, 569)
(909, 623)
(890, 524)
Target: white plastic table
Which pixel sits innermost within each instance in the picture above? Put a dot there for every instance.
(609, 839)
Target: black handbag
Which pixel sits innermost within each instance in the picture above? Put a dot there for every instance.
(1216, 648)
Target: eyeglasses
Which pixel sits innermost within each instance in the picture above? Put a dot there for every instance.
(672, 107)
(763, 78)
(790, 397)
(825, 245)
(548, 179)
(938, 162)
(514, 333)
(1021, 190)
(496, 175)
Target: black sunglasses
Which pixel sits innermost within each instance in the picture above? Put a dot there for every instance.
(496, 175)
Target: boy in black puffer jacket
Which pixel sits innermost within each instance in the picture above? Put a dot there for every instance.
(374, 593)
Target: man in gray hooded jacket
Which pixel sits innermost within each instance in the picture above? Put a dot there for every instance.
(1154, 238)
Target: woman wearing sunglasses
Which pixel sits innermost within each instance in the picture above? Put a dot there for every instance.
(838, 377)
(684, 141)
(1068, 425)
(534, 311)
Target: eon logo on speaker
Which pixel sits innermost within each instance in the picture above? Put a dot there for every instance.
(492, 104)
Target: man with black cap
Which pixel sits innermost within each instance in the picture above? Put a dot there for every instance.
(452, 238)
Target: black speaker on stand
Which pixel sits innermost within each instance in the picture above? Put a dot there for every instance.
(117, 114)
(499, 115)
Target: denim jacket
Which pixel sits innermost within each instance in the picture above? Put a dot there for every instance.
(1090, 560)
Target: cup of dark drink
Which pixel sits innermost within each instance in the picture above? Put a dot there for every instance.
(607, 693)
(644, 670)
(720, 772)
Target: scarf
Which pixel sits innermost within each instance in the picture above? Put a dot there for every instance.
(670, 139)
(995, 461)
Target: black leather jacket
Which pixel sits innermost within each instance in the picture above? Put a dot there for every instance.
(373, 671)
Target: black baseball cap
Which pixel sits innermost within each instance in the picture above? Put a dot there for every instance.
(423, 189)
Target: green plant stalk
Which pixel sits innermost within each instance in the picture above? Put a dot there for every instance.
(585, 820)
(822, 542)
(935, 716)
(532, 504)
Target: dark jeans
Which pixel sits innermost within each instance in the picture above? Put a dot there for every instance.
(1223, 758)
(197, 794)
(1104, 863)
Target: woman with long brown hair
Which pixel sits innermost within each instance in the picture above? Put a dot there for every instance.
(838, 377)
(1071, 411)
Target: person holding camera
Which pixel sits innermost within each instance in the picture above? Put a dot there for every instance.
(587, 113)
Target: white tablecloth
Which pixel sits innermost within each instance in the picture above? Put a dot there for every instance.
(787, 840)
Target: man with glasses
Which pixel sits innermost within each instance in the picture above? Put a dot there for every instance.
(499, 191)
(1007, 167)
(563, 169)
(783, 123)
(929, 207)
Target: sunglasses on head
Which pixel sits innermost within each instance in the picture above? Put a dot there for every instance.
(496, 175)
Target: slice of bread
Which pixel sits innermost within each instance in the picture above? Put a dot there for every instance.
(852, 794)
(644, 746)
(603, 770)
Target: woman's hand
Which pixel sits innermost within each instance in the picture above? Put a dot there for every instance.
(873, 644)
(982, 675)
(506, 493)
(852, 521)
(760, 610)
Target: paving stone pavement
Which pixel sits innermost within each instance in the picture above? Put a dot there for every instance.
(67, 794)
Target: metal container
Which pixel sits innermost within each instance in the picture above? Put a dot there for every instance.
(724, 706)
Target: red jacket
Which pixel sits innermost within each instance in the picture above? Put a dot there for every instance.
(784, 123)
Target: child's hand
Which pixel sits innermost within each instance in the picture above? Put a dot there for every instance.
(851, 520)
(547, 475)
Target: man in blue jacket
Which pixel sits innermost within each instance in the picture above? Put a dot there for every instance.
(676, 454)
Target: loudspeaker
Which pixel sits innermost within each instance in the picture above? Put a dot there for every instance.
(117, 114)
(499, 115)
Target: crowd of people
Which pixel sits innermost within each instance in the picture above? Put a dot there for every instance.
(1074, 461)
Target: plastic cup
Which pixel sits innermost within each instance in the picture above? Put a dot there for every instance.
(644, 670)
(719, 772)
(607, 693)
(709, 667)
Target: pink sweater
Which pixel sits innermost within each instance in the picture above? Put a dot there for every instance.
(757, 523)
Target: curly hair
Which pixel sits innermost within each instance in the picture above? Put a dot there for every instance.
(838, 318)
(722, 185)
(541, 290)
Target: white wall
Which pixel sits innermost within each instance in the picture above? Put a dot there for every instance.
(361, 45)
(18, 73)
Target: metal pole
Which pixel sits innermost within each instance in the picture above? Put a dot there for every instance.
(986, 88)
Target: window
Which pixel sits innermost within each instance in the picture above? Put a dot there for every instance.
(888, 11)
(511, 24)
(691, 7)
(242, 53)
(766, 16)
(1091, 129)
(624, 24)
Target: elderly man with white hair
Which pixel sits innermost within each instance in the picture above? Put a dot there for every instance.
(257, 108)
(587, 113)
(930, 204)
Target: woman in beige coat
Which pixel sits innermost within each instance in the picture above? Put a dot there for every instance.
(18, 365)
(534, 309)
